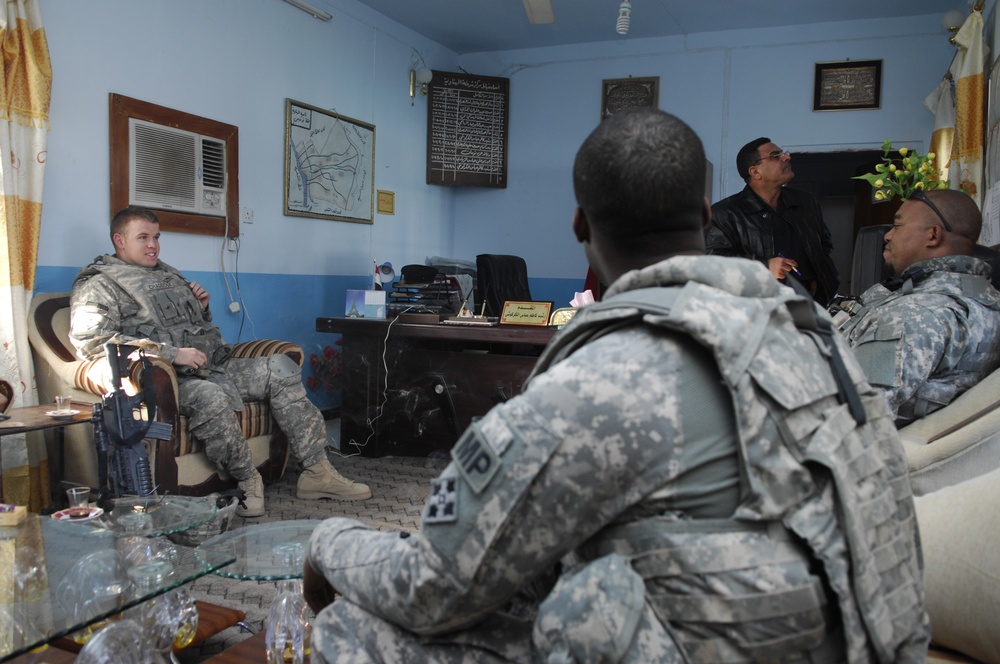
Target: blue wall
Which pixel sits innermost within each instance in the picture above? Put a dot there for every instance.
(236, 61)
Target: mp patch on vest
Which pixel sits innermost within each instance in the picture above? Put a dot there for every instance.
(475, 459)
(442, 504)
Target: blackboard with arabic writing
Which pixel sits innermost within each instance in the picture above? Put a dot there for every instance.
(467, 130)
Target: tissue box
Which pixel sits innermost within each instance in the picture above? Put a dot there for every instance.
(11, 515)
(365, 304)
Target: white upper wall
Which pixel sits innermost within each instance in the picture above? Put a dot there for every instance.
(731, 87)
(236, 61)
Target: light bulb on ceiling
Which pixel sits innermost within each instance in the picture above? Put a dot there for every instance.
(624, 18)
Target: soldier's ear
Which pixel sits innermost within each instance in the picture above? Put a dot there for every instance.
(119, 240)
(935, 236)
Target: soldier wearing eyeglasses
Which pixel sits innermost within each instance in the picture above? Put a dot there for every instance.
(768, 222)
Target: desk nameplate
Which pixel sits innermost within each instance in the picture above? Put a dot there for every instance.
(525, 313)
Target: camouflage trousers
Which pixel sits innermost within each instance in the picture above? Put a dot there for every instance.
(614, 624)
(345, 633)
(212, 420)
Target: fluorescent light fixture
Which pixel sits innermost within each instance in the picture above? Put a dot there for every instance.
(624, 17)
(309, 9)
(539, 11)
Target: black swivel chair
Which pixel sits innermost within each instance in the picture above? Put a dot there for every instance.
(501, 278)
(868, 266)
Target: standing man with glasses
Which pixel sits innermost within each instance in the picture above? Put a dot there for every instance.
(780, 227)
(929, 334)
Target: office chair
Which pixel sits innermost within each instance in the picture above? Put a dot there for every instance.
(501, 278)
(867, 264)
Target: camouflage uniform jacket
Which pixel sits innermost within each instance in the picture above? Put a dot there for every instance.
(930, 339)
(154, 308)
(149, 307)
(583, 468)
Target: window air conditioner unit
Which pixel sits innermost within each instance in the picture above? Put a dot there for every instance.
(173, 169)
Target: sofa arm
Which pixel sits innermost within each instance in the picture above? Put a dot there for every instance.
(267, 347)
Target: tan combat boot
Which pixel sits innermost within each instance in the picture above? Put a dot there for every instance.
(321, 480)
(253, 486)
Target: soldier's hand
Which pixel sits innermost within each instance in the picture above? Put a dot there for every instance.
(190, 357)
(200, 294)
(316, 589)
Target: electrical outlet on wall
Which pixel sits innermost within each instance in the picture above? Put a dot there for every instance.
(247, 216)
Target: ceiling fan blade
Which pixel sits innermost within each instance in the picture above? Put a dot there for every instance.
(539, 11)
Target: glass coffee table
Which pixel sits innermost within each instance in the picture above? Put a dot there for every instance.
(263, 551)
(42, 560)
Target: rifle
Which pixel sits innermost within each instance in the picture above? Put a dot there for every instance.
(119, 428)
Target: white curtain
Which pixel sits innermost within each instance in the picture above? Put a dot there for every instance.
(966, 171)
(941, 103)
(24, 108)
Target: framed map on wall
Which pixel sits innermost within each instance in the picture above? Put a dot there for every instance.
(329, 165)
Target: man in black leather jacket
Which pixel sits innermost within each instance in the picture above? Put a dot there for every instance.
(780, 227)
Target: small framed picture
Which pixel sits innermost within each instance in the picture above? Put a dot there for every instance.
(848, 86)
(617, 94)
(386, 202)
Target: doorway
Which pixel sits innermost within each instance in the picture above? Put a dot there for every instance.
(847, 204)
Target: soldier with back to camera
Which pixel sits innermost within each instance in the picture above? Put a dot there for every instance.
(677, 482)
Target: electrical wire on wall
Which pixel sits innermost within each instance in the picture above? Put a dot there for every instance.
(236, 304)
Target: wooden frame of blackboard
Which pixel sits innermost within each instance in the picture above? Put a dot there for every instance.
(472, 153)
(356, 132)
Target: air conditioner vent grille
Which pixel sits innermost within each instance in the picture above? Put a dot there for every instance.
(165, 162)
(213, 163)
(174, 169)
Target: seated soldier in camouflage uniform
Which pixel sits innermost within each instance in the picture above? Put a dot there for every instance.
(931, 333)
(134, 298)
(696, 471)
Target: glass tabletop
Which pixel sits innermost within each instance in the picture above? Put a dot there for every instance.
(264, 551)
(154, 516)
(59, 577)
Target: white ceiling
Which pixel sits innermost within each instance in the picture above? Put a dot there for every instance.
(472, 26)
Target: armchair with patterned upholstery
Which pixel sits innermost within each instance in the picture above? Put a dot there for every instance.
(179, 465)
(6, 395)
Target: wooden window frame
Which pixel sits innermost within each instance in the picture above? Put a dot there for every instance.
(121, 108)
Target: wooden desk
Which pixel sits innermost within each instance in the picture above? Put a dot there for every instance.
(411, 390)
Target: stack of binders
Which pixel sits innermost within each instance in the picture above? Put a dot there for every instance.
(440, 295)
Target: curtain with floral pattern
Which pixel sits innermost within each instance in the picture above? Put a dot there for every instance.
(24, 115)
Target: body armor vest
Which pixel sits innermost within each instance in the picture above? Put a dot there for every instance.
(162, 307)
(826, 509)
